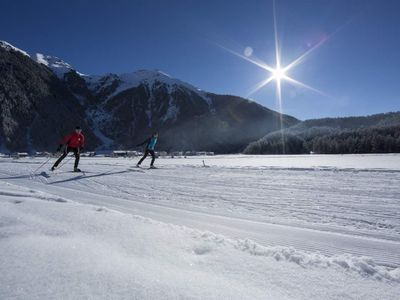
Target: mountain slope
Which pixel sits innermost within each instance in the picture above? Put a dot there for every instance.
(36, 107)
(125, 109)
(186, 119)
(119, 111)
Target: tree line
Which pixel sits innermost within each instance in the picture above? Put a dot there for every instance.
(329, 141)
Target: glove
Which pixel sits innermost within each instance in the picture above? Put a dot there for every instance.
(59, 148)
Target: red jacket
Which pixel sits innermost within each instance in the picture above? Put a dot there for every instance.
(74, 140)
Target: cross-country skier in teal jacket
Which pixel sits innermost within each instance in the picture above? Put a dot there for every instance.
(150, 145)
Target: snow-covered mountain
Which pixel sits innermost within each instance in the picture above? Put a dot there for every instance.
(131, 80)
(8, 47)
(57, 65)
(36, 108)
(123, 109)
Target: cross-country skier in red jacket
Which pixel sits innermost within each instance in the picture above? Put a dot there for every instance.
(73, 142)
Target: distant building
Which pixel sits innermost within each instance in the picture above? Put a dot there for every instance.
(176, 153)
(161, 153)
(125, 153)
(204, 153)
(20, 154)
(119, 153)
(42, 154)
(190, 153)
(88, 154)
(134, 153)
(201, 153)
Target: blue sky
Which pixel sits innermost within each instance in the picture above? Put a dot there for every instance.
(357, 67)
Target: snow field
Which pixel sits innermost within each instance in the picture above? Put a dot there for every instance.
(55, 249)
(189, 232)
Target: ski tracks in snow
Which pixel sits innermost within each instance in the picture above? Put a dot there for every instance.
(325, 211)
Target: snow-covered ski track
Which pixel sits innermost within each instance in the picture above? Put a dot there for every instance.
(314, 217)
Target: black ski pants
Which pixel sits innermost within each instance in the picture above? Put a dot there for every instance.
(147, 152)
(68, 150)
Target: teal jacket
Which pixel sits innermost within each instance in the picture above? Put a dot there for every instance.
(150, 143)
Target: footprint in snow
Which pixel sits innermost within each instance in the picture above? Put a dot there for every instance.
(101, 209)
(202, 249)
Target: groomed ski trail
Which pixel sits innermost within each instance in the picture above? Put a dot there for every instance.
(185, 195)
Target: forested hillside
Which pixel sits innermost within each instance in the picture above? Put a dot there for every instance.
(372, 134)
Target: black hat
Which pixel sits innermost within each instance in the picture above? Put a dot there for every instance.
(78, 127)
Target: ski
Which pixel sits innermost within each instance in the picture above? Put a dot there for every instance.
(57, 172)
(144, 168)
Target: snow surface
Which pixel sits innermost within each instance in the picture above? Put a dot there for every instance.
(97, 82)
(9, 47)
(243, 227)
(348, 162)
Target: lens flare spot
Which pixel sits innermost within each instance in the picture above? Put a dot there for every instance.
(248, 51)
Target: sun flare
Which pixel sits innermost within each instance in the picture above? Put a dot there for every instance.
(279, 74)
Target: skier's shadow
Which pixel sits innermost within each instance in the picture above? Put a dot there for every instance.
(20, 176)
(82, 176)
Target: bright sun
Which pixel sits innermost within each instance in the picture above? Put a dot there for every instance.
(278, 74)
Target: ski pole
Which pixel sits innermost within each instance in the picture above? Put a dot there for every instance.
(41, 165)
(66, 161)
